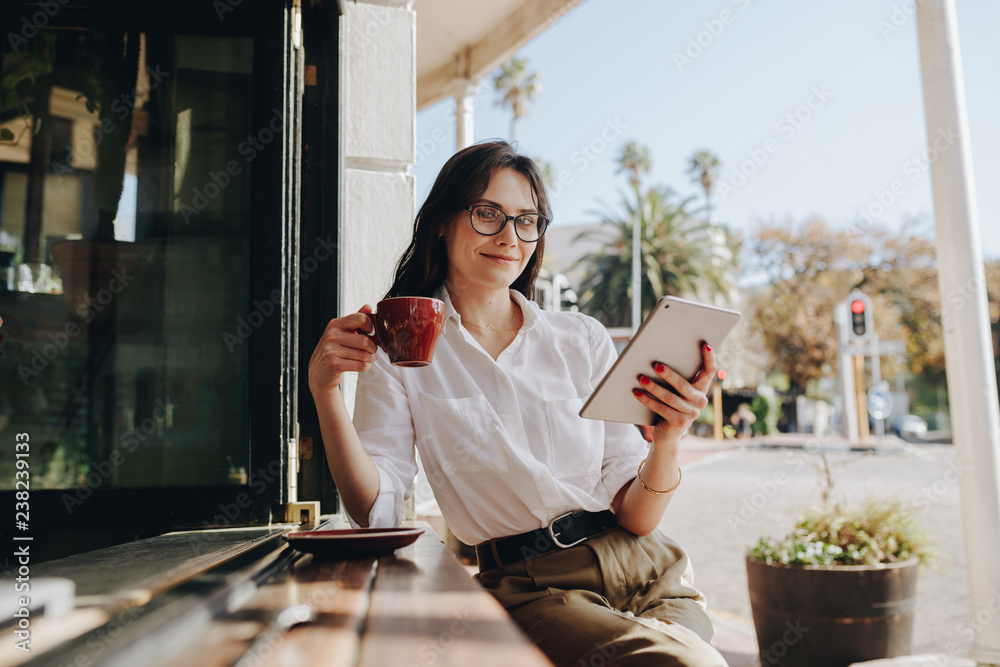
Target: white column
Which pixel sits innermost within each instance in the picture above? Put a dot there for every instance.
(465, 111)
(968, 346)
(378, 139)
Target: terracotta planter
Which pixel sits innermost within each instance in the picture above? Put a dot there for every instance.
(832, 616)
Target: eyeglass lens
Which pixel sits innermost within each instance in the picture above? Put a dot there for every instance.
(490, 220)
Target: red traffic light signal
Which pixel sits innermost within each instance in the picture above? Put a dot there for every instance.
(860, 325)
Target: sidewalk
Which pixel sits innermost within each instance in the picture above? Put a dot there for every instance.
(734, 634)
(713, 520)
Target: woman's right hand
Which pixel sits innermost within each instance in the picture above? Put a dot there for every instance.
(341, 349)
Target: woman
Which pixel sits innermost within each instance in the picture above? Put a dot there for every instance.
(562, 521)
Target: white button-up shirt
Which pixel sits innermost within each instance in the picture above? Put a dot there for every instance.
(502, 442)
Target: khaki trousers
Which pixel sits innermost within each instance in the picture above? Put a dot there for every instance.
(615, 600)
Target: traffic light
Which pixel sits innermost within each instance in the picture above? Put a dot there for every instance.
(860, 323)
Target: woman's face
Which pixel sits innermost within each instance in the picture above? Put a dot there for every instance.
(492, 262)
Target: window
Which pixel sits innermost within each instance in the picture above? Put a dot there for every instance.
(148, 237)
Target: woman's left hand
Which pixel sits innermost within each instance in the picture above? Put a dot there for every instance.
(678, 410)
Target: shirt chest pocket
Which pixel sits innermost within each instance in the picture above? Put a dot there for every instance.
(576, 445)
(464, 433)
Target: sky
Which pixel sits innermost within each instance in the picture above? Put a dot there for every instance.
(826, 96)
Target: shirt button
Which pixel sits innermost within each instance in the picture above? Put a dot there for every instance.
(518, 438)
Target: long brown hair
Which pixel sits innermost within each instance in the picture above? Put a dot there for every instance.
(463, 179)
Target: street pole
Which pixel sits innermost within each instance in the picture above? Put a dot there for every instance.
(859, 388)
(717, 410)
(636, 274)
(877, 380)
(967, 335)
(849, 421)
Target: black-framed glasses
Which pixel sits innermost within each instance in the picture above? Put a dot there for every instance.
(490, 221)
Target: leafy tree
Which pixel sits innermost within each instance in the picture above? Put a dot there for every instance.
(517, 88)
(679, 255)
(634, 161)
(704, 169)
(811, 267)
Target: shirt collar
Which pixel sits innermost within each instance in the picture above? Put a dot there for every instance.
(528, 308)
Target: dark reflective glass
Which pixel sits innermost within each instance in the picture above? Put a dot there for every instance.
(124, 253)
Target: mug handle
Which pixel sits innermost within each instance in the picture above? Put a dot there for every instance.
(374, 334)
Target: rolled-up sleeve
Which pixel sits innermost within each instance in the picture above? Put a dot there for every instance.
(624, 446)
(385, 426)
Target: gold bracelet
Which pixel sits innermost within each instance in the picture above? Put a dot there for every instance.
(659, 493)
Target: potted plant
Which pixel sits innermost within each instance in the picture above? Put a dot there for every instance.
(840, 587)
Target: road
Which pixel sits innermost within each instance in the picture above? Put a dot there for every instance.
(729, 499)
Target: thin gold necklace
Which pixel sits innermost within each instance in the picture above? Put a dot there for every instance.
(489, 326)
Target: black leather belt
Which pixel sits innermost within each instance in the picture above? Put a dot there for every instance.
(562, 532)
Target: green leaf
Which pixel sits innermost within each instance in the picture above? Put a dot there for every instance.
(6, 135)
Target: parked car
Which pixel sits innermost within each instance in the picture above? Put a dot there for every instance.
(909, 427)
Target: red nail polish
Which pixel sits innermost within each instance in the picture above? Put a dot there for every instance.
(659, 368)
(708, 347)
(644, 381)
(638, 393)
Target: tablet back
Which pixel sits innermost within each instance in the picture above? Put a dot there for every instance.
(672, 334)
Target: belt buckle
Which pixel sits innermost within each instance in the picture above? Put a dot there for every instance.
(552, 533)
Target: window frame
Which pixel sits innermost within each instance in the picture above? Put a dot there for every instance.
(274, 231)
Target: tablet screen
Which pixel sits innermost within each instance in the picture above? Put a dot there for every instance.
(671, 334)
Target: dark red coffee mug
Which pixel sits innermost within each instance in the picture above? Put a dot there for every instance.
(408, 328)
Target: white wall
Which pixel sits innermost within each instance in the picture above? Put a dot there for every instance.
(378, 121)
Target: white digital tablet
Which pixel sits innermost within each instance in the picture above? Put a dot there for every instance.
(672, 334)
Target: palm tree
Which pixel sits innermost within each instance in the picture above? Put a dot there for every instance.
(634, 160)
(547, 170)
(679, 255)
(704, 169)
(517, 88)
